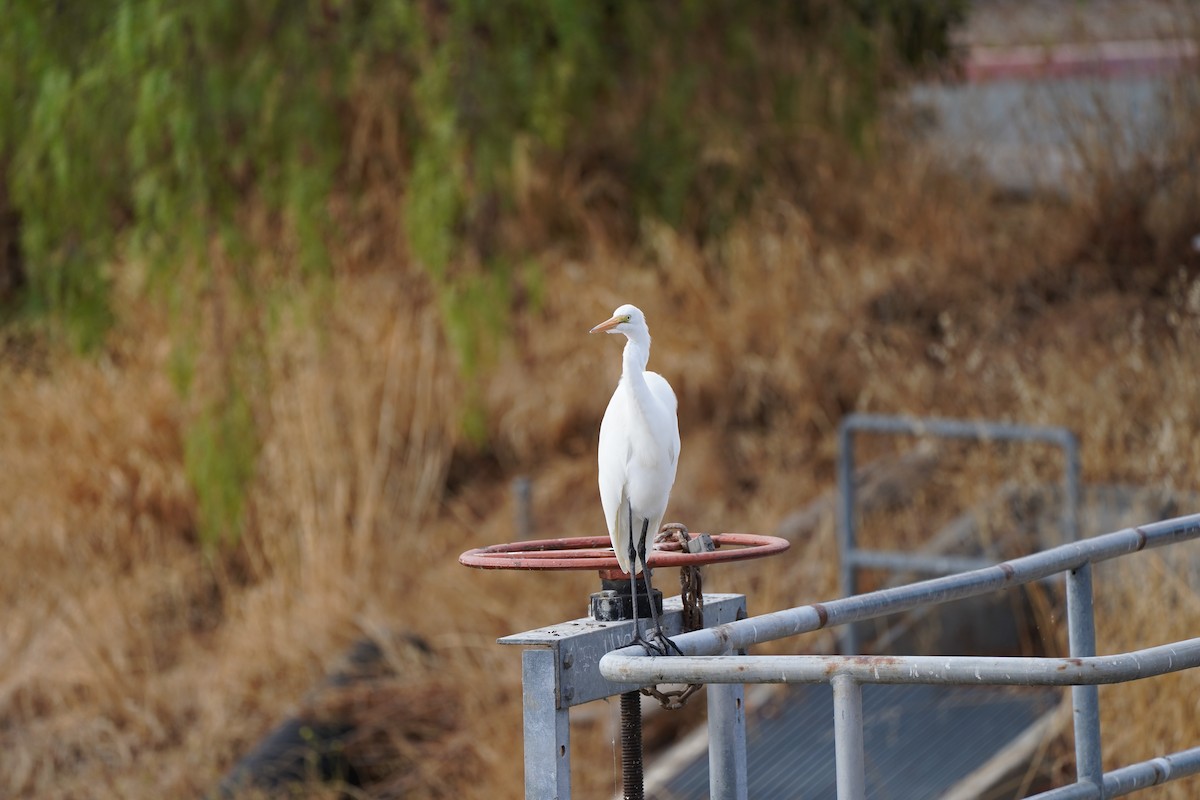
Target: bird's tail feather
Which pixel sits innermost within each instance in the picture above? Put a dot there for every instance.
(620, 535)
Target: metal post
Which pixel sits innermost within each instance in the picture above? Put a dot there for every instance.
(522, 488)
(848, 738)
(1085, 700)
(547, 729)
(1071, 479)
(727, 779)
(845, 528)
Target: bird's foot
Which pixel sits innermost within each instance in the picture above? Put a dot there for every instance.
(657, 643)
(651, 644)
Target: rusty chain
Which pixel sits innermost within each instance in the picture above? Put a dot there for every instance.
(691, 590)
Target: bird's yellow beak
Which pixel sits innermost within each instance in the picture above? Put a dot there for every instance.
(609, 324)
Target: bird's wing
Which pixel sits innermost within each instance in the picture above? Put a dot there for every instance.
(667, 432)
(613, 461)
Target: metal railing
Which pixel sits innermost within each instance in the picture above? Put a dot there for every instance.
(1084, 671)
(573, 663)
(853, 557)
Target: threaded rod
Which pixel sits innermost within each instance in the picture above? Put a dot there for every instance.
(631, 744)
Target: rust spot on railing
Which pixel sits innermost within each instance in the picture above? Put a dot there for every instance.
(1142, 537)
(835, 665)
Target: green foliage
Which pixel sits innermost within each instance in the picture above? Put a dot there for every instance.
(220, 450)
(919, 29)
(143, 130)
(137, 129)
(142, 127)
(659, 87)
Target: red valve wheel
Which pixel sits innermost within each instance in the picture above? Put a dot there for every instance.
(596, 553)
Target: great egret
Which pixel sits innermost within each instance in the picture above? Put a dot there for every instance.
(639, 451)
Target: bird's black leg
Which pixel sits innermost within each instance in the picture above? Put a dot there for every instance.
(665, 644)
(635, 546)
(637, 633)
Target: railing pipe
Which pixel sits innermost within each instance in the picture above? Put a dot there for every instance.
(805, 619)
(959, 429)
(1132, 778)
(945, 670)
(1072, 791)
(909, 562)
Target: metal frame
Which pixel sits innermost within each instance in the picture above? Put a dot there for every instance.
(852, 557)
(560, 669)
(1083, 671)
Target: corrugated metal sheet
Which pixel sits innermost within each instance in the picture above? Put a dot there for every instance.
(919, 740)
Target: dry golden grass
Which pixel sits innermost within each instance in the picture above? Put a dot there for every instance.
(1154, 602)
(132, 665)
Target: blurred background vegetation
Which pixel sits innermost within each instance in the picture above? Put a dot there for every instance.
(142, 132)
(291, 289)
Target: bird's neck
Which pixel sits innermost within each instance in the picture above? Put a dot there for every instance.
(636, 356)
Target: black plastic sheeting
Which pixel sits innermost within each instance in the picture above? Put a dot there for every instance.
(919, 740)
(302, 751)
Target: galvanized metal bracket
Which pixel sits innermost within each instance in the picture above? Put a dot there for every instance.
(560, 668)
(579, 644)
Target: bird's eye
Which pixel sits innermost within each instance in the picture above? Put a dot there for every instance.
(627, 318)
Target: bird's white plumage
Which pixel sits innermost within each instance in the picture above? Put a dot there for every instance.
(639, 442)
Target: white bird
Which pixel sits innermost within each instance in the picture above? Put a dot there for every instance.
(638, 455)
